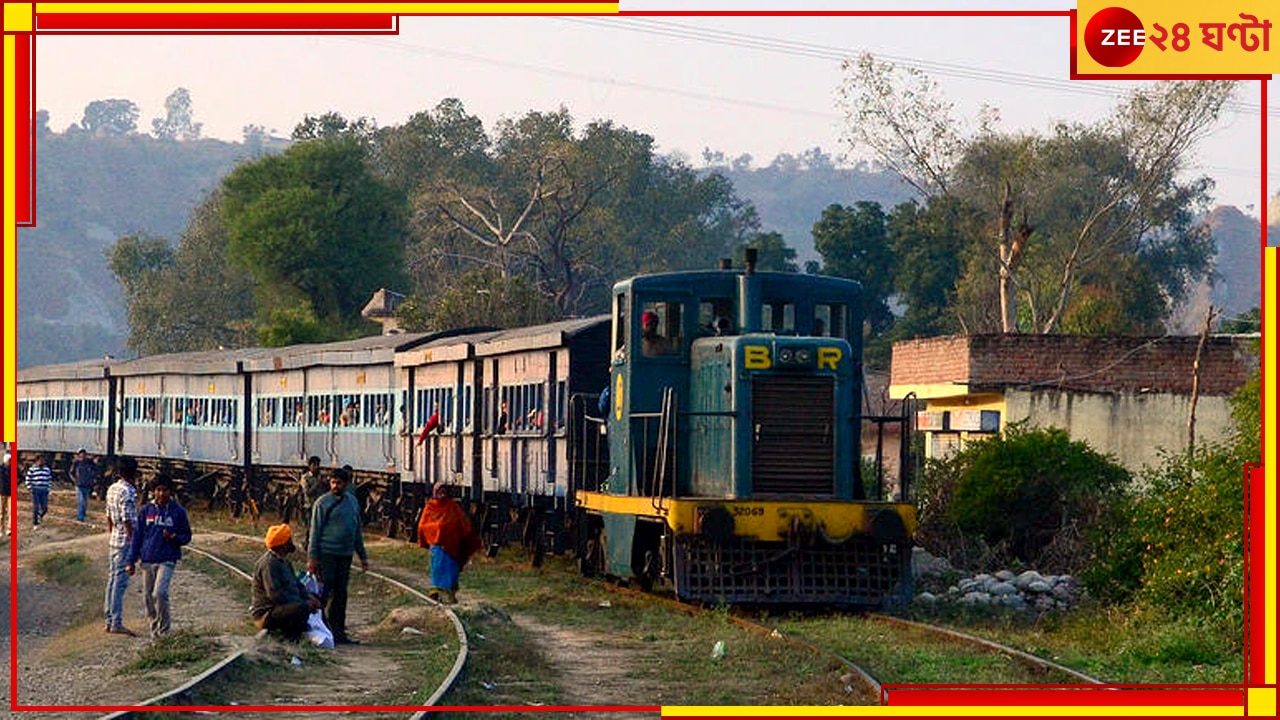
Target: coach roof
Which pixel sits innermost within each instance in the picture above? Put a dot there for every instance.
(550, 335)
(81, 370)
(204, 362)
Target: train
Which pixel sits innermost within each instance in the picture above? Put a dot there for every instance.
(703, 436)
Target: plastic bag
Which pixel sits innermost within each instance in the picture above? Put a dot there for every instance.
(311, 584)
(317, 632)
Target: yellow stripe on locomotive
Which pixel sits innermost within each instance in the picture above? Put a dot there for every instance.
(764, 520)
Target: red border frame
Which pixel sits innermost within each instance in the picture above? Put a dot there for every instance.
(912, 695)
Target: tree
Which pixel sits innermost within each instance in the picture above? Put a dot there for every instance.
(255, 139)
(568, 211)
(772, 253)
(177, 122)
(1064, 212)
(931, 244)
(898, 114)
(479, 298)
(316, 230)
(110, 117)
(854, 243)
(1246, 322)
(443, 142)
(332, 125)
(135, 258)
(189, 298)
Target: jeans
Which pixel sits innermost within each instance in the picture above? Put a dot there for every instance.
(117, 583)
(39, 504)
(335, 573)
(155, 591)
(82, 501)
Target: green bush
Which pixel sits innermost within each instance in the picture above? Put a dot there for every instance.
(1179, 545)
(1029, 496)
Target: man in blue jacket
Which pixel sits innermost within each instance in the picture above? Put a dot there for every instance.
(336, 533)
(84, 471)
(162, 530)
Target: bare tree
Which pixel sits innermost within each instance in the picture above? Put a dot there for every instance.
(1126, 167)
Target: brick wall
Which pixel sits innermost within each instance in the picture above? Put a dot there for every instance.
(1097, 364)
(930, 361)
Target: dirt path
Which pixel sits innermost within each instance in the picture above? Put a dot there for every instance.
(595, 667)
(65, 659)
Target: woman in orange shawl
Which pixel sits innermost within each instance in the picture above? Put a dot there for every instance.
(446, 529)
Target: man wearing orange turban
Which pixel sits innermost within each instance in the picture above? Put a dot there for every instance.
(280, 602)
(446, 529)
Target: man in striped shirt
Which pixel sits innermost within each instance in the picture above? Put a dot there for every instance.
(39, 478)
(122, 509)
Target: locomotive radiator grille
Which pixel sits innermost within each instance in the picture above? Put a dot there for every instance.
(793, 420)
(861, 572)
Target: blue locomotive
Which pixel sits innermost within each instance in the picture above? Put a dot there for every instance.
(734, 425)
(723, 460)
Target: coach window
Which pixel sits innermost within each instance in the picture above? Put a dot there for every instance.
(560, 405)
(778, 316)
(267, 412)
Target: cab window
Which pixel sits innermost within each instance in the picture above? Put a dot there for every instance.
(830, 320)
(620, 325)
(715, 316)
(660, 329)
(778, 316)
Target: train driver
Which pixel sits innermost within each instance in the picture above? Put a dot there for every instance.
(652, 343)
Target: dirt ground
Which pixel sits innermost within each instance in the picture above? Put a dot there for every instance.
(65, 658)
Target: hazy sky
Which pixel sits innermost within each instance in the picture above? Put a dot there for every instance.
(756, 85)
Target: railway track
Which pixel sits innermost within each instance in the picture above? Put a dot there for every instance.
(861, 674)
(858, 677)
(238, 672)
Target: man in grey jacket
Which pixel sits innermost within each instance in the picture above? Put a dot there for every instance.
(336, 533)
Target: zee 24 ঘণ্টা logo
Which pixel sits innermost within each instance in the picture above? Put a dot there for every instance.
(1115, 36)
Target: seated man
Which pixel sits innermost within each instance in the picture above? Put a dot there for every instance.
(280, 602)
(652, 343)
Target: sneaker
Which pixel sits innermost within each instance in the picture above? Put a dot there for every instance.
(36, 526)
(121, 631)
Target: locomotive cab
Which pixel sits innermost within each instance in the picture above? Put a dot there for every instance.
(734, 436)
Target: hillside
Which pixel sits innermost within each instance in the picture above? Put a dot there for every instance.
(790, 199)
(89, 192)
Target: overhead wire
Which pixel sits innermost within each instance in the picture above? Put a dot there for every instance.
(794, 48)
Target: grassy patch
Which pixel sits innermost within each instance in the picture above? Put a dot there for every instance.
(65, 568)
(175, 649)
(1120, 645)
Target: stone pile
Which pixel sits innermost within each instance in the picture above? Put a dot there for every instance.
(1028, 590)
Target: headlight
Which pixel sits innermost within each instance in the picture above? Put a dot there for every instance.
(785, 355)
(803, 356)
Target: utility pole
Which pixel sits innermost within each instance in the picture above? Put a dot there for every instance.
(1195, 381)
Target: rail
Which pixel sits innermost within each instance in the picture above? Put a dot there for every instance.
(177, 694)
